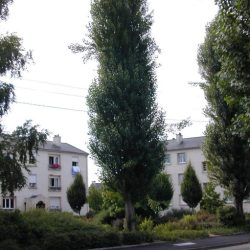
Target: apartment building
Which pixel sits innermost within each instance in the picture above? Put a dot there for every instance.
(179, 152)
(57, 164)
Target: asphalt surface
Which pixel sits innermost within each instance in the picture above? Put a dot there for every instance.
(200, 244)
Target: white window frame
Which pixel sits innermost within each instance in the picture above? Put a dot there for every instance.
(181, 158)
(57, 208)
(32, 184)
(8, 201)
(56, 182)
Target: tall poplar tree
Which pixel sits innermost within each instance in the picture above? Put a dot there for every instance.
(224, 60)
(126, 127)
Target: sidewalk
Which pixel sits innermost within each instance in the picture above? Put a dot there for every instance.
(200, 244)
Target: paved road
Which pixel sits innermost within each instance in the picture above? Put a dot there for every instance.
(241, 247)
(200, 244)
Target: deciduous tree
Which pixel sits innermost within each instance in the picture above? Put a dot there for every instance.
(224, 60)
(126, 127)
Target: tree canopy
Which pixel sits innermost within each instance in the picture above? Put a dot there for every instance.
(126, 127)
(224, 60)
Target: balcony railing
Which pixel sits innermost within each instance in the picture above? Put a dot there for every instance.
(55, 166)
(55, 188)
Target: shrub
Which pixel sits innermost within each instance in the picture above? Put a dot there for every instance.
(56, 241)
(146, 225)
(9, 245)
(189, 222)
(228, 216)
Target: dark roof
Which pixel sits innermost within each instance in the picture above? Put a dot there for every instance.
(186, 143)
(62, 147)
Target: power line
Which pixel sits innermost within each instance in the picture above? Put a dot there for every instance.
(52, 92)
(80, 110)
(48, 106)
(50, 83)
(54, 83)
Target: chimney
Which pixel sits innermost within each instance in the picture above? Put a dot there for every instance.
(57, 140)
(179, 138)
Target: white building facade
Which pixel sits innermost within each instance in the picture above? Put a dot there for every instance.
(181, 151)
(56, 166)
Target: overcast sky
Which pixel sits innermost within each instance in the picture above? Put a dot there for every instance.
(59, 78)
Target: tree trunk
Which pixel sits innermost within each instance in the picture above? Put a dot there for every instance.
(239, 208)
(129, 214)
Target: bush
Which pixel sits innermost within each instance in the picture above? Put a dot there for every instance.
(189, 222)
(146, 225)
(9, 245)
(56, 241)
(228, 216)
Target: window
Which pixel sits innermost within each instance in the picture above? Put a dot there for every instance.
(204, 166)
(55, 182)
(167, 159)
(75, 161)
(55, 203)
(180, 178)
(181, 158)
(54, 161)
(32, 181)
(8, 203)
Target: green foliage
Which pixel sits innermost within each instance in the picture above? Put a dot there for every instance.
(146, 225)
(15, 156)
(127, 130)
(228, 216)
(165, 232)
(113, 203)
(76, 194)
(161, 192)
(211, 199)
(13, 59)
(95, 199)
(4, 10)
(224, 60)
(190, 187)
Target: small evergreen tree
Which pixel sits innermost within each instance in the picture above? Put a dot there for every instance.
(76, 194)
(211, 199)
(161, 192)
(190, 187)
